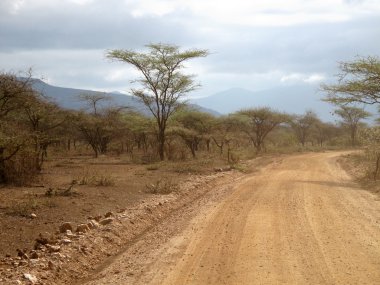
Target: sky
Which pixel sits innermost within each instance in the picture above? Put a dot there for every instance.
(253, 44)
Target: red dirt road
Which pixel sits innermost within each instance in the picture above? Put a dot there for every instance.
(300, 220)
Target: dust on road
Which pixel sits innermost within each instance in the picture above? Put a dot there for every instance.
(300, 220)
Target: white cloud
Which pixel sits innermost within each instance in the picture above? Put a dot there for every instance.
(315, 78)
(299, 77)
(81, 2)
(257, 13)
(11, 6)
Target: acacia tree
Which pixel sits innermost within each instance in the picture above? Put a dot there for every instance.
(302, 125)
(42, 118)
(162, 85)
(358, 82)
(195, 126)
(351, 117)
(259, 122)
(13, 93)
(93, 100)
(324, 132)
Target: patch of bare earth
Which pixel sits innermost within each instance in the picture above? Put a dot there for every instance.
(131, 214)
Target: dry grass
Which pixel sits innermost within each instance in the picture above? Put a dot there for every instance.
(161, 186)
(360, 166)
(23, 208)
(94, 178)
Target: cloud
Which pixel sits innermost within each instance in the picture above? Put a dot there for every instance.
(299, 77)
(253, 44)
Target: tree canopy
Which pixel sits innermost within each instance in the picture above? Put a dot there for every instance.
(162, 84)
(358, 82)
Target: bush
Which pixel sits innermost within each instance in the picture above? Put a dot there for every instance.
(22, 169)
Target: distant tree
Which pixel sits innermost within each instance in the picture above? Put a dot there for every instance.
(351, 117)
(92, 100)
(194, 126)
(13, 135)
(42, 118)
(226, 132)
(13, 92)
(138, 130)
(358, 82)
(259, 122)
(303, 124)
(162, 85)
(100, 129)
(324, 132)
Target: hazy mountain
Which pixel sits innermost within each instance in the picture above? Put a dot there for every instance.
(290, 99)
(68, 98)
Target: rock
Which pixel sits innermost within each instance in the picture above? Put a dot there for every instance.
(69, 233)
(66, 241)
(82, 228)
(22, 263)
(34, 254)
(33, 279)
(95, 223)
(33, 261)
(106, 221)
(51, 265)
(108, 214)
(65, 226)
(33, 215)
(98, 218)
(22, 254)
(53, 248)
(44, 239)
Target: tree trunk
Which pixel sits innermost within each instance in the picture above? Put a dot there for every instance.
(2, 166)
(353, 136)
(208, 145)
(376, 167)
(161, 144)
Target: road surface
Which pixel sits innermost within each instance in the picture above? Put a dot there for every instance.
(300, 220)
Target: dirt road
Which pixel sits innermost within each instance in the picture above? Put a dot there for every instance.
(300, 220)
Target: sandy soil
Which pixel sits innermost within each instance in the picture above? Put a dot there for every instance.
(300, 220)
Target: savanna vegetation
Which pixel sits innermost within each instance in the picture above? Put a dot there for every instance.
(33, 128)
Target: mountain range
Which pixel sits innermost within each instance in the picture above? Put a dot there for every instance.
(68, 98)
(294, 99)
(290, 99)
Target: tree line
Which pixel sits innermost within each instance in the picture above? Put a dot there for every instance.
(31, 125)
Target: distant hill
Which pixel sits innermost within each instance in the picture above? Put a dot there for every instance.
(290, 99)
(68, 98)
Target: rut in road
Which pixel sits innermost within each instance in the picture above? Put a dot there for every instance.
(300, 221)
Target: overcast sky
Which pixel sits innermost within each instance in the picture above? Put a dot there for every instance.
(254, 44)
